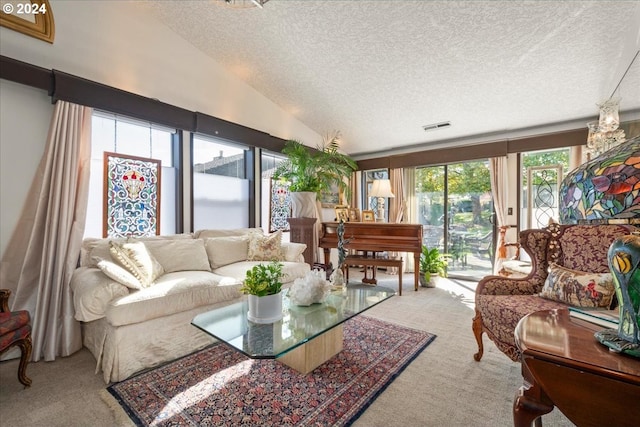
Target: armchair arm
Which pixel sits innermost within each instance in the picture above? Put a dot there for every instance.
(4, 300)
(535, 242)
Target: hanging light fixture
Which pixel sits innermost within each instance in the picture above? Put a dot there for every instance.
(243, 4)
(604, 133)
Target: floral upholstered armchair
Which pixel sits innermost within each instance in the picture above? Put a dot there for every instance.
(578, 251)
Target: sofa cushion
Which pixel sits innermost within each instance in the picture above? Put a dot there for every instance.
(293, 251)
(265, 248)
(137, 260)
(92, 292)
(203, 234)
(119, 274)
(172, 293)
(226, 250)
(180, 255)
(578, 288)
(238, 270)
(501, 314)
(94, 249)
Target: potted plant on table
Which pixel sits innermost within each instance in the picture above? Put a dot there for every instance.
(263, 284)
(312, 172)
(433, 265)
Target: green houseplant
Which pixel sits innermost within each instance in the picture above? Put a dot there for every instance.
(433, 264)
(316, 170)
(263, 284)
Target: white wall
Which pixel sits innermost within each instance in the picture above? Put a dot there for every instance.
(117, 43)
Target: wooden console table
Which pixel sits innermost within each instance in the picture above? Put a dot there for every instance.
(564, 366)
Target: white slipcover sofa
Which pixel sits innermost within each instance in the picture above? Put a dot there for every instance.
(129, 325)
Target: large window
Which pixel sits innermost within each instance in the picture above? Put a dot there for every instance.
(454, 205)
(220, 187)
(117, 134)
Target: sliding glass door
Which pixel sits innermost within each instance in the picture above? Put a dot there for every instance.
(456, 209)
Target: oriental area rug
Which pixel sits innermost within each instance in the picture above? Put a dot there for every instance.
(219, 386)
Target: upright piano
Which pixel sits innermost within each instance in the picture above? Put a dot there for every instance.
(375, 237)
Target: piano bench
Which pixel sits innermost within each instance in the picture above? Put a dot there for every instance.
(365, 261)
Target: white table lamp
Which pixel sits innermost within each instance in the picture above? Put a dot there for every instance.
(381, 189)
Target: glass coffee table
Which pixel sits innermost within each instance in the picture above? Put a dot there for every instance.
(305, 338)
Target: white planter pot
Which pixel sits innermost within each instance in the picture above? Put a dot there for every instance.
(303, 204)
(267, 309)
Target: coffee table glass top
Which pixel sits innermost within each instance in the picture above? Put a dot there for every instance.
(297, 326)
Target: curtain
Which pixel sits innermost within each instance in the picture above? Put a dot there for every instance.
(396, 207)
(410, 209)
(43, 251)
(577, 156)
(498, 176)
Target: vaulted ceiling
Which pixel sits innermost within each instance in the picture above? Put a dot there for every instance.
(379, 71)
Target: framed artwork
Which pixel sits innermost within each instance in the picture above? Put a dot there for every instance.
(368, 216)
(279, 205)
(331, 198)
(354, 215)
(342, 213)
(131, 196)
(33, 18)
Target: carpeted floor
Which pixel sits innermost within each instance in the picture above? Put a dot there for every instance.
(442, 386)
(220, 386)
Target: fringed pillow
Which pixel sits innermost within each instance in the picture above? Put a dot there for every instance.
(265, 248)
(137, 260)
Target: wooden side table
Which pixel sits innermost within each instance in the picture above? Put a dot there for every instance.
(564, 366)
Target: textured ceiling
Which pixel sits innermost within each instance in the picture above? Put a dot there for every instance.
(380, 70)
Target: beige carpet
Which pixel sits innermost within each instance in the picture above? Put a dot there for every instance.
(443, 386)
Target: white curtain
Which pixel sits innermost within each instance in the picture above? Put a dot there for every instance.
(410, 209)
(498, 176)
(396, 208)
(43, 251)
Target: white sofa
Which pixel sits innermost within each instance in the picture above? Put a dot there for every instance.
(130, 326)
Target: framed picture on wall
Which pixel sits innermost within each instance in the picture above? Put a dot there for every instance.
(368, 216)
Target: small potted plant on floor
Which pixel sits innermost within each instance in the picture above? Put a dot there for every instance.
(433, 265)
(263, 284)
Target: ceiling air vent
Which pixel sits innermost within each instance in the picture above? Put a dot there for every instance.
(435, 126)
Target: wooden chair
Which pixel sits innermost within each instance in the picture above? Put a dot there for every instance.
(15, 330)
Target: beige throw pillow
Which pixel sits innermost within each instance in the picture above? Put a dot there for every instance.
(180, 255)
(578, 288)
(119, 274)
(292, 250)
(136, 259)
(226, 250)
(265, 248)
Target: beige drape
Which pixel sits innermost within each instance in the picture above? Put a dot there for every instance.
(43, 251)
(411, 208)
(396, 208)
(498, 176)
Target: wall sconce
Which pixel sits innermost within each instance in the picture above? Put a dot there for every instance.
(381, 189)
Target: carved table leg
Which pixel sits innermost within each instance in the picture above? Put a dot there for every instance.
(530, 402)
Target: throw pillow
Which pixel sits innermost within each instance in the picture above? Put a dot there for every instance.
(265, 248)
(180, 255)
(136, 259)
(226, 250)
(579, 288)
(292, 251)
(119, 274)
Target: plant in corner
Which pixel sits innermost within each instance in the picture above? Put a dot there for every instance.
(316, 170)
(263, 284)
(433, 264)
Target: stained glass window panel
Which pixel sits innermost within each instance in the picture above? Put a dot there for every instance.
(132, 196)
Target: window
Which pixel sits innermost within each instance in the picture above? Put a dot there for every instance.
(274, 208)
(122, 135)
(220, 187)
(542, 173)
